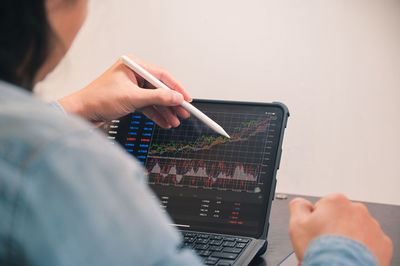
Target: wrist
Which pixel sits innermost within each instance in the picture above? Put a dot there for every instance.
(73, 104)
(338, 250)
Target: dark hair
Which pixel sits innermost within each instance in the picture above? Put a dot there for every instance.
(25, 36)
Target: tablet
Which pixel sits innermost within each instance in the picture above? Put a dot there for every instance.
(205, 181)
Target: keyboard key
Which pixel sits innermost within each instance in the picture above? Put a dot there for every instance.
(242, 240)
(216, 237)
(201, 241)
(201, 247)
(189, 245)
(216, 242)
(232, 250)
(210, 261)
(224, 263)
(189, 239)
(229, 239)
(205, 253)
(215, 248)
(224, 255)
(189, 234)
(240, 245)
(204, 236)
(228, 244)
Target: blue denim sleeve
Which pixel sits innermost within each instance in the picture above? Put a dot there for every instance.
(337, 250)
(57, 106)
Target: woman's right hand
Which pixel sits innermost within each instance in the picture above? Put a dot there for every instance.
(120, 91)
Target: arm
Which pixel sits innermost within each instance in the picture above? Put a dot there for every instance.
(83, 201)
(58, 106)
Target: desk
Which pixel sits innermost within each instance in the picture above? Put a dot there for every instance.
(279, 245)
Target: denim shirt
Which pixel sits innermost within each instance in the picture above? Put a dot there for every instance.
(70, 197)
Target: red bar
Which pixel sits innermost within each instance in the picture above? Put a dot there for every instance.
(131, 139)
(145, 140)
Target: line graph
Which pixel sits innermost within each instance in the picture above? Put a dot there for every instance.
(192, 155)
(207, 142)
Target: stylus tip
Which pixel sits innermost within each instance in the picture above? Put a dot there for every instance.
(226, 135)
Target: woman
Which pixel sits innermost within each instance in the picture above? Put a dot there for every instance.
(67, 196)
(33, 46)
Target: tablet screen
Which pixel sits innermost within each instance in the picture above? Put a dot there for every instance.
(205, 181)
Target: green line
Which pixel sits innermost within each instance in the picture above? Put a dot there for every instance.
(200, 142)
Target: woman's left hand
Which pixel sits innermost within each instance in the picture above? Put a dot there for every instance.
(119, 91)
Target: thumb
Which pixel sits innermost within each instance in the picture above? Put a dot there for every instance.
(300, 208)
(159, 96)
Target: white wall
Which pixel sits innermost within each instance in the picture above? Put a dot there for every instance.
(336, 64)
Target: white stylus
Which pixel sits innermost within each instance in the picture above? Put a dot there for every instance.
(158, 84)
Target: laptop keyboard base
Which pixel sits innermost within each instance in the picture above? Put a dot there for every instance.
(215, 249)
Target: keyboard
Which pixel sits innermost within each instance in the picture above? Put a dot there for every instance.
(215, 249)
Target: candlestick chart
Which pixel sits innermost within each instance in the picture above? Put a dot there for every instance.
(192, 155)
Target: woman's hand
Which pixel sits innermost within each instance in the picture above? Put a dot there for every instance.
(336, 215)
(120, 91)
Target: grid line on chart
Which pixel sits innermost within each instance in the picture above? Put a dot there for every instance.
(193, 155)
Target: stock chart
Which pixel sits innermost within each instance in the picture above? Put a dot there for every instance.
(193, 155)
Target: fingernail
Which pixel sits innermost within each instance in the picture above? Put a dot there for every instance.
(178, 98)
(176, 124)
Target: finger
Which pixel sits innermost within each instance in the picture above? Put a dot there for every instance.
(164, 77)
(168, 115)
(181, 112)
(155, 116)
(172, 83)
(163, 97)
(300, 208)
(361, 209)
(332, 199)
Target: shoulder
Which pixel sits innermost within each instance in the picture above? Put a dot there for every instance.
(32, 129)
(38, 144)
(27, 124)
